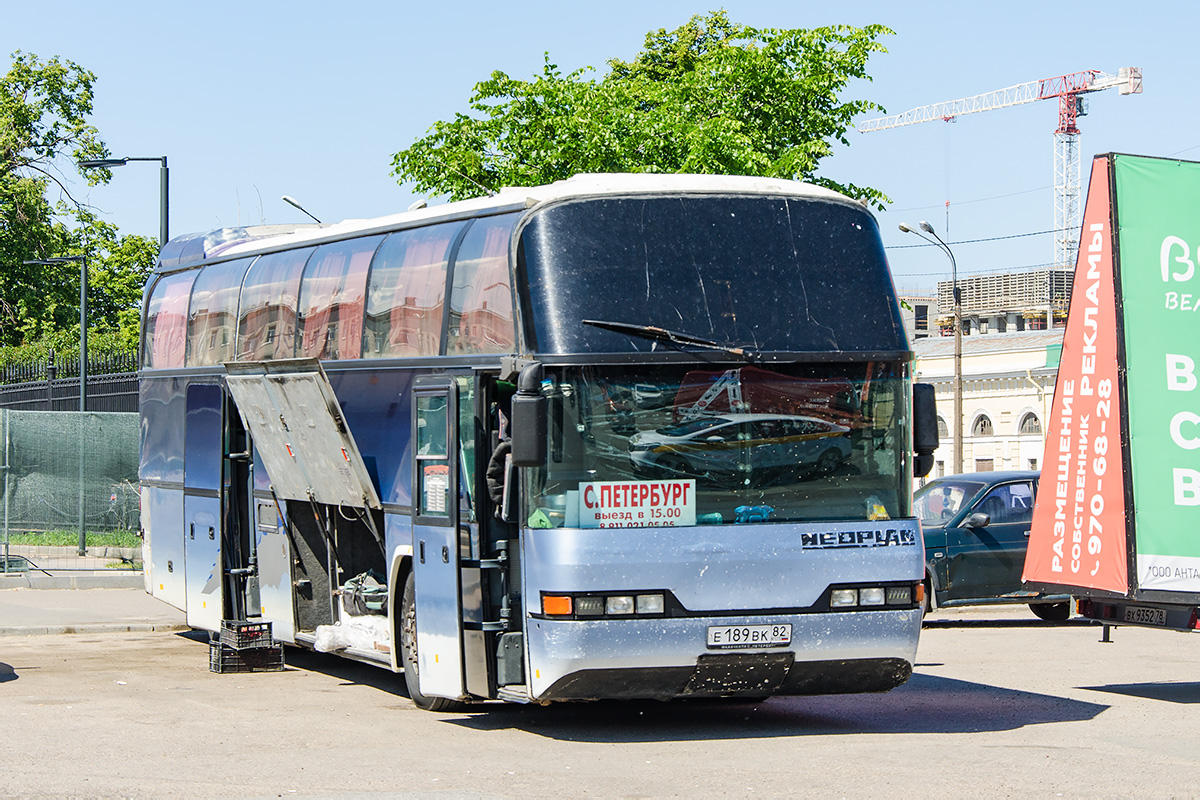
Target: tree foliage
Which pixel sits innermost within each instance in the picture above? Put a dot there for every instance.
(712, 96)
(44, 130)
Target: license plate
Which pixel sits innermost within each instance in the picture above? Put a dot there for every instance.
(738, 636)
(1145, 616)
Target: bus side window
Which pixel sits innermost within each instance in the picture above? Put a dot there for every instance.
(267, 317)
(406, 293)
(481, 304)
(212, 317)
(166, 321)
(331, 299)
(432, 457)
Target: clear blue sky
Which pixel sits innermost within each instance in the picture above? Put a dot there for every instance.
(250, 101)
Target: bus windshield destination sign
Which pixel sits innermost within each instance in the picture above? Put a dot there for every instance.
(637, 504)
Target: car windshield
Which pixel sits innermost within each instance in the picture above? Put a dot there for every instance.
(702, 446)
(939, 501)
(695, 426)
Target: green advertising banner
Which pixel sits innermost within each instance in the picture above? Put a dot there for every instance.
(1158, 237)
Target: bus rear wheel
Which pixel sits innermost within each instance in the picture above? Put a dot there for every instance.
(408, 653)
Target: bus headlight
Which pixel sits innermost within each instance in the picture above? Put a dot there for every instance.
(843, 598)
(871, 597)
(618, 604)
(650, 604)
(589, 606)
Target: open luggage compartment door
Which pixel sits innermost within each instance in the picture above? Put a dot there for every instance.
(299, 432)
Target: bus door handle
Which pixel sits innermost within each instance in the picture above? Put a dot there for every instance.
(422, 549)
(192, 530)
(212, 534)
(1026, 534)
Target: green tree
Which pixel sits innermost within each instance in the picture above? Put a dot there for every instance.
(44, 130)
(712, 96)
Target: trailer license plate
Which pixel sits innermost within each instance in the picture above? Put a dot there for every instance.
(738, 636)
(1145, 616)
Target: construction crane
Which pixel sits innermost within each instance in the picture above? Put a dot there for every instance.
(1069, 89)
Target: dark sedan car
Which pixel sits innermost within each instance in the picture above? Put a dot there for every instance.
(976, 528)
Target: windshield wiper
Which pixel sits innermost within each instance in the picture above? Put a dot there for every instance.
(670, 337)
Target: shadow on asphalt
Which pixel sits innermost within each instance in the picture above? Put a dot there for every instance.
(926, 704)
(1169, 692)
(351, 673)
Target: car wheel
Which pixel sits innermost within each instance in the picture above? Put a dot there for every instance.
(1052, 612)
(408, 653)
(829, 461)
(674, 467)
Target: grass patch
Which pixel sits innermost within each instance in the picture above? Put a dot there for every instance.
(71, 539)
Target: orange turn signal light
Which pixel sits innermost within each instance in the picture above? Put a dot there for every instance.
(920, 593)
(553, 604)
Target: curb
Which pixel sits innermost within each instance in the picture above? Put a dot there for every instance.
(50, 630)
(33, 581)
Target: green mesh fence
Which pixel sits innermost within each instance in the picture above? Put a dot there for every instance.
(59, 469)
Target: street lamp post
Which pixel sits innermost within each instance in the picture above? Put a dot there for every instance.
(83, 369)
(163, 185)
(958, 371)
(294, 203)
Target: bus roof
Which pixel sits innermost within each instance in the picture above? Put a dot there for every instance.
(196, 248)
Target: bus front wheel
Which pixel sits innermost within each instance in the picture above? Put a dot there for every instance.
(408, 653)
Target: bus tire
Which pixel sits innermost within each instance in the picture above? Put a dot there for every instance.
(408, 653)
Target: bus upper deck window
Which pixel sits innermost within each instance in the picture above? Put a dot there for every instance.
(332, 294)
(166, 321)
(406, 293)
(481, 305)
(267, 316)
(212, 316)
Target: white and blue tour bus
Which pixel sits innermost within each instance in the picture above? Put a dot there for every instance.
(621, 436)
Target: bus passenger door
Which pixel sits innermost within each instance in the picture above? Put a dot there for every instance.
(202, 473)
(435, 538)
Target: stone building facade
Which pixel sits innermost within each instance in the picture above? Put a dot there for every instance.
(1008, 390)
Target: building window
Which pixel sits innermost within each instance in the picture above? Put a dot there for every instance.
(984, 465)
(1030, 424)
(982, 427)
(1033, 463)
(943, 430)
(921, 314)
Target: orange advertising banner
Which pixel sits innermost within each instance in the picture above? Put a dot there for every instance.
(1078, 536)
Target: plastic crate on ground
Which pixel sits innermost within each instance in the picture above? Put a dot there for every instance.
(223, 658)
(242, 635)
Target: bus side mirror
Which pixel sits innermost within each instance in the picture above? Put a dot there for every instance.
(530, 419)
(925, 432)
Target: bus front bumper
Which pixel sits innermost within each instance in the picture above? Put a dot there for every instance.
(665, 658)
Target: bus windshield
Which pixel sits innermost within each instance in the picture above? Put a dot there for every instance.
(674, 445)
(763, 273)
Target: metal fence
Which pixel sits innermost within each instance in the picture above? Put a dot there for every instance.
(68, 491)
(53, 384)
